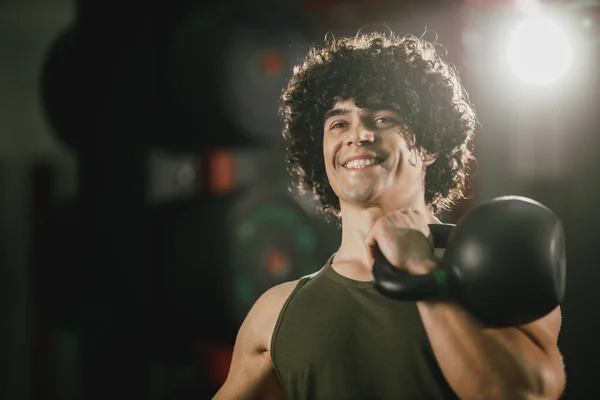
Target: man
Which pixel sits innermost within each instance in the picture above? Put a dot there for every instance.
(379, 130)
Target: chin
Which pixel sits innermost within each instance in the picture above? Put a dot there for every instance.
(365, 195)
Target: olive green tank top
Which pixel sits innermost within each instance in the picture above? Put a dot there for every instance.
(337, 338)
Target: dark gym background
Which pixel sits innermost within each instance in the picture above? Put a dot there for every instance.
(143, 195)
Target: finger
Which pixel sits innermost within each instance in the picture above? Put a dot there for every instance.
(422, 226)
(415, 220)
(412, 219)
(372, 243)
(418, 217)
(400, 218)
(418, 222)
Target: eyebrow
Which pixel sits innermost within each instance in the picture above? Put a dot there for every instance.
(336, 112)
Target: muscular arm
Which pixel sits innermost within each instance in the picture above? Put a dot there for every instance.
(251, 374)
(478, 362)
(483, 363)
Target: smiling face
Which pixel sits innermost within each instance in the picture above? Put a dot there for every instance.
(367, 158)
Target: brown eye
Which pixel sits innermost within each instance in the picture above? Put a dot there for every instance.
(338, 125)
(384, 121)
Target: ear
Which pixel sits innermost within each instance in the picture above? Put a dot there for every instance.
(429, 158)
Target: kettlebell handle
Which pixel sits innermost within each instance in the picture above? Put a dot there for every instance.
(441, 234)
(401, 285)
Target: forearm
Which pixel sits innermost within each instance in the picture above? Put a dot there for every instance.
(485, 363)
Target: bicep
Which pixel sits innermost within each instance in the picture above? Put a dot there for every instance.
(544, 331)
(251, 373)
(250, 366)
(249, 377)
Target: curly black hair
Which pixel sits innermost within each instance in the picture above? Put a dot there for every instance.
(406, 71)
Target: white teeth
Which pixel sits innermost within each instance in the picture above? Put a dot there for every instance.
(361, 163)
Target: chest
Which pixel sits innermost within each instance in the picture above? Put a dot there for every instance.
(351, 329)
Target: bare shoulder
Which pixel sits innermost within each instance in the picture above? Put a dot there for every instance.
(268, 307)
(275, 297)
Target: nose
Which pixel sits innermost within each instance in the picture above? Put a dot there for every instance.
(361, 136)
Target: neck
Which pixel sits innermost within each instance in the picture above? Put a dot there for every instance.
(357, 222)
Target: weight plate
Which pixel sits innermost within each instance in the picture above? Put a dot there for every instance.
(191, 55)
(76, 78)
(272, 240)
(62, 103)
(259, 60)
(215, 255)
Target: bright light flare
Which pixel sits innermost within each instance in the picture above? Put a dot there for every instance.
(539, 51)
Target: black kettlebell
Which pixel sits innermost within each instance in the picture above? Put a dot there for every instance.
(504, 262)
